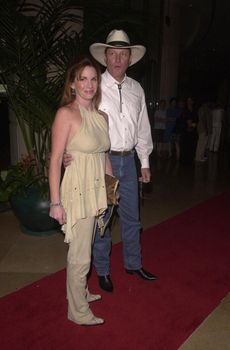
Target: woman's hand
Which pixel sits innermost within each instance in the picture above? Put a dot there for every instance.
(67, 159)
(58, 213)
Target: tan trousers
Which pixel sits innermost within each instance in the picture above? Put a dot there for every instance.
(215, 139)
(78, 265)
(201, 146)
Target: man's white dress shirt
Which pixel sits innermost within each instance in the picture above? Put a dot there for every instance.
(129, 128)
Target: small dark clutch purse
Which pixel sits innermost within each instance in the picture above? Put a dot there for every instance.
(111, 184)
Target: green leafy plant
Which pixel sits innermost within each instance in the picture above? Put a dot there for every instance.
(37, 42)
(21, 176)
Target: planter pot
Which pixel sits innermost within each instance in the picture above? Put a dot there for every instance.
(32, 211)
(4, 206)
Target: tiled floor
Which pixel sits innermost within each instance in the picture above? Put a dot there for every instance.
(24, 258)
(214, 332)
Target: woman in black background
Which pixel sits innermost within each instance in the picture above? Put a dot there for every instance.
(188, 138)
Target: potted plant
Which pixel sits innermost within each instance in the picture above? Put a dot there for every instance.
(27, 192)
(37, 44)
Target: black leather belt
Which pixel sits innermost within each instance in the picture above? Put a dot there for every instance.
(120, 153)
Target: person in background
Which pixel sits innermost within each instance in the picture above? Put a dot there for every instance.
(159, 128)
(177, 130)
(188, 138)
(80, 129)
(172, 115)
(217, 121)
(204, 115)
(123, 100)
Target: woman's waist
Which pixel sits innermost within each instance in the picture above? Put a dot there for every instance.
(88, 154)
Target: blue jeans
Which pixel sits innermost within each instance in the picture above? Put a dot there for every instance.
(124, 169)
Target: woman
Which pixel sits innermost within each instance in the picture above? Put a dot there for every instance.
(188, 139)
(80, 129)
(172, 114)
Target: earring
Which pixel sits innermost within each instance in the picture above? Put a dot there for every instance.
(73, 92)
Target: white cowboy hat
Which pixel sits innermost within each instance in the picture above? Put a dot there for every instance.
(120, 40)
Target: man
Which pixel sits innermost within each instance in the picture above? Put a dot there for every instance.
(204, 116)
(217, 121)
(123, 100)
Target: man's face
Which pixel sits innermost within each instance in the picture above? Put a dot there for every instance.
(117, 61)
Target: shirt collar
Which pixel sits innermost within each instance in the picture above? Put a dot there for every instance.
(110, 81)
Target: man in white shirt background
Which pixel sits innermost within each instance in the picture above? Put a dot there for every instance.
(123, 100)
(217, 121)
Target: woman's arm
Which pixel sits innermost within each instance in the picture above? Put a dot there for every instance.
(108, 165)
(60, 134)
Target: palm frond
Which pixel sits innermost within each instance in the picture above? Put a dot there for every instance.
(37, 42)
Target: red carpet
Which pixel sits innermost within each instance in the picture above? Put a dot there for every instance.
(189, 253)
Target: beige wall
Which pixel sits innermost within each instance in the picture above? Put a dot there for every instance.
(186, 23)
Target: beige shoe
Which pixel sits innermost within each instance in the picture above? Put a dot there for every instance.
(92, 297)
(93, 321)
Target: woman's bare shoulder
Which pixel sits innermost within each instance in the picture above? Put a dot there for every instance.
(67, 112)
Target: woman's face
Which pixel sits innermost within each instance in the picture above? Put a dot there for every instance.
(86, 84)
